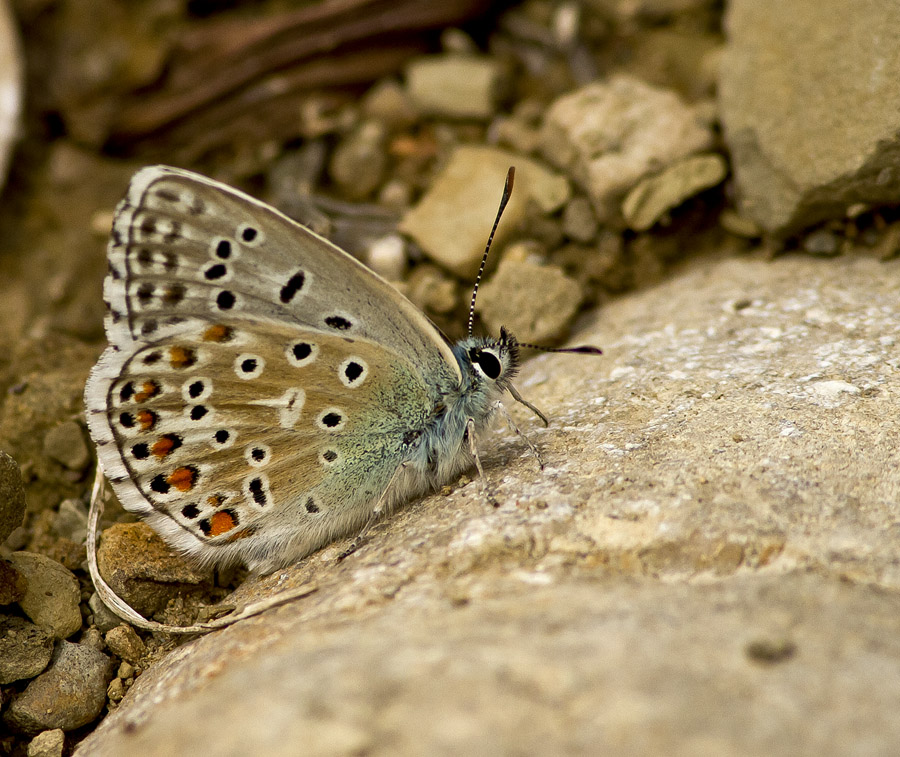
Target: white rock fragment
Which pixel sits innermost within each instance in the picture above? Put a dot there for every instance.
(653, 197)
(609, 135)
(831, 390)
(459, 86)
(452, 221)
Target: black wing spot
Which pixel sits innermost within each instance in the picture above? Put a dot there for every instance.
(258, 491)
(338, 322)
(145, 293)
(195, 389)
(223, 249)
(214, 272)
(159, 484)
(221, 436)
(311, 506)
(190, 511)
(225, 300)
(302, 350)
(293, 286)
(140, 451)
(332, 419)
(174, 294)
(197, 412)
(249, 234)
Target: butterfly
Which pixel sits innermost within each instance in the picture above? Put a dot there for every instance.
(263, 392)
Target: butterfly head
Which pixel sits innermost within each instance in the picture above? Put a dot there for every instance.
(489, 362)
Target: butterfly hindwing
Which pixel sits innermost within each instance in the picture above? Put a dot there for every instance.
(266, 437)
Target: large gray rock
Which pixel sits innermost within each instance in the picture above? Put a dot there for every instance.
(811, 108)
(707, 564)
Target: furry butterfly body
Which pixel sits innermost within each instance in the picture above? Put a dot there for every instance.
(264, 393)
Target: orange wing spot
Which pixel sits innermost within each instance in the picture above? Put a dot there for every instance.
(242, 534)
(218, 333)
(149, 389)
(182, 357)
(147, 419)
(183, 478)
(165, 445)
(221, 522)
(215, 500)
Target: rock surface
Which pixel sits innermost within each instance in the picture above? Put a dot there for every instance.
(810, 137)
(707, 565)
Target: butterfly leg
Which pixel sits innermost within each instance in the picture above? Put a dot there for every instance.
(512, 424)
(373, 517)
(473, 448)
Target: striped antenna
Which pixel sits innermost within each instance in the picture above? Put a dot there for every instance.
(585, 349)
(507, 191)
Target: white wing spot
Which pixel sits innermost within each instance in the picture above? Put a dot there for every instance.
(302, 353)
(248, 366)
(258, 455)
(289, 405)
(331, 419)
(353, 372)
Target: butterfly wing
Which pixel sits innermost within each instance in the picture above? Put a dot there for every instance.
(260, 383)
(185, 246)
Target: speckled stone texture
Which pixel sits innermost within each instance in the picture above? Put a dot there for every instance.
(707, 565)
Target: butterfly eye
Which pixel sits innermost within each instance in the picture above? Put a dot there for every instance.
(489, 363)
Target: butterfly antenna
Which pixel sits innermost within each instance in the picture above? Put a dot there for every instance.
(585, 349)
(507, 191)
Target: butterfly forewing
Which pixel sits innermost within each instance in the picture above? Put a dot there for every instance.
(186, 247)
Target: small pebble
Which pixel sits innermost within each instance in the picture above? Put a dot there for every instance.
(579, 221)
(104, 618)
(69, 694)
(455, 86)
(52, 593)
(47, 744)
(358, 163)
(116, 690)
(65, 443)
(126, 670)
(822, 242)
(387, 257)
(124, 642)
